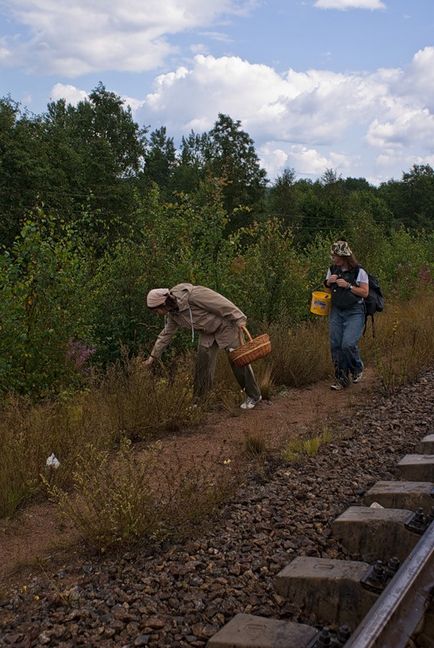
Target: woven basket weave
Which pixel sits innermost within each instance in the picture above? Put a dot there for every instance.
(253, 349)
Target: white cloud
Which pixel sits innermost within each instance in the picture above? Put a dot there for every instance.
(310, 108)
(70, 93)
(412, 127)
(309, 120)
(417, 81)
(304, 160)
(350, 4)
(90, 35)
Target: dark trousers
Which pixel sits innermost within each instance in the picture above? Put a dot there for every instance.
(205, 369)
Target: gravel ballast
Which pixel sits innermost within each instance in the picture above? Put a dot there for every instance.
(182, 595)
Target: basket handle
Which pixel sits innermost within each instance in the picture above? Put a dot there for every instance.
(243, 330)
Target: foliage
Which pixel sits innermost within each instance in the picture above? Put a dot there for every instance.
(411, 200)
(113, 500)
(43, 301)
(270, 275)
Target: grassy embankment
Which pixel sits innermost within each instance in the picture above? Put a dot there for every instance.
(113, 493)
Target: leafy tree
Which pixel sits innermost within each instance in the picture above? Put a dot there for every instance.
(232, 158)
(271, 275)
(191, 168)
(43, 307)
(24, 163)
(97, 153)
(412, 199)
(283, 200)
(160, 159)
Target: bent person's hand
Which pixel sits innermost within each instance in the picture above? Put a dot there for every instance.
(149, 361)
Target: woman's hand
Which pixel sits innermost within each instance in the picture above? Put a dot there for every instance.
(343, 283)
(332, 279)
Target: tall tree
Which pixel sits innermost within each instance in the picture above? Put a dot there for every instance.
(191, 167)
(412, 199)
(282, 199)
(232, 157)
(24, 162)
(98, 151)
(160, 160)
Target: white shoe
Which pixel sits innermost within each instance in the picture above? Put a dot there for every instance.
(250, 402)
(358, 377)
(337, 386)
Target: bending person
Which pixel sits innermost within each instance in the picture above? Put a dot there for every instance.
(218, 322)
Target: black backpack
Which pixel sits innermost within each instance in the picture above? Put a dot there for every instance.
(374, 302)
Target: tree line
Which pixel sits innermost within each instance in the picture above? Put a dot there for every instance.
(93, 166)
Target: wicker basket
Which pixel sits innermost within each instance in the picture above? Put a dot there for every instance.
(253, 349)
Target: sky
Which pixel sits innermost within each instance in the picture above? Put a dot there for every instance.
(346, 85)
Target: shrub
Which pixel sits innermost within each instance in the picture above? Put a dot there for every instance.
(43, 301)
(127, 497)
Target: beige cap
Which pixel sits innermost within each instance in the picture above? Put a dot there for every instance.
(156, 297)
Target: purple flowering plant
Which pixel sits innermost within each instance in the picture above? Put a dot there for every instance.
(78, 353)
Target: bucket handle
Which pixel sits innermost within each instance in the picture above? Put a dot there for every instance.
(323, 288)
(243, 330)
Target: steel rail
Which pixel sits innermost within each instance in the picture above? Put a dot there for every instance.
(398, 612)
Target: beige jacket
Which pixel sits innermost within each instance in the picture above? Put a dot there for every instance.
(201, 309)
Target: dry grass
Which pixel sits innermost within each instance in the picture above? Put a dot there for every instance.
(128, 497)
(300, 356)
(404, 342)
(255, 445)
(130, 402)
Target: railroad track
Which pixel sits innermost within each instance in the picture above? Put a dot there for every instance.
(384, 600)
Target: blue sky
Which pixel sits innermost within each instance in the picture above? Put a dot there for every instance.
(341, 84)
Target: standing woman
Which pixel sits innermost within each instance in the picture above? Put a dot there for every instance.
(349, 284)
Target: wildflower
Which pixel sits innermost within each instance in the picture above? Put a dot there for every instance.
(78, 353)
(52, 461)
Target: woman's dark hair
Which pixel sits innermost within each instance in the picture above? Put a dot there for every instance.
(171, 303)
(351, 262)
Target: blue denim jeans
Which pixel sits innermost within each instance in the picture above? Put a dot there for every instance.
(346, 328)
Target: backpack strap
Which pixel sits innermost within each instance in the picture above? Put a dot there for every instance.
(372, 325)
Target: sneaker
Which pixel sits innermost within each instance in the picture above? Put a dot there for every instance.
(337, 386)
(357, 377)
(250, 402)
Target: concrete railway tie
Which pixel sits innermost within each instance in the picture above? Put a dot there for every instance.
(385, 600)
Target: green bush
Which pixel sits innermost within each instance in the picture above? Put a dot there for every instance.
(43, 307)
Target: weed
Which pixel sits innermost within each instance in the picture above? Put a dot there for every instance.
(123, 497)
(300, 356)
(255, 446)
(404, 344)
(296, 449)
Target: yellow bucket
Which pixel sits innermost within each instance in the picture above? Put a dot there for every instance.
(320, 304)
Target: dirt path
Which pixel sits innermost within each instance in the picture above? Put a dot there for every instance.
(36, 538)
